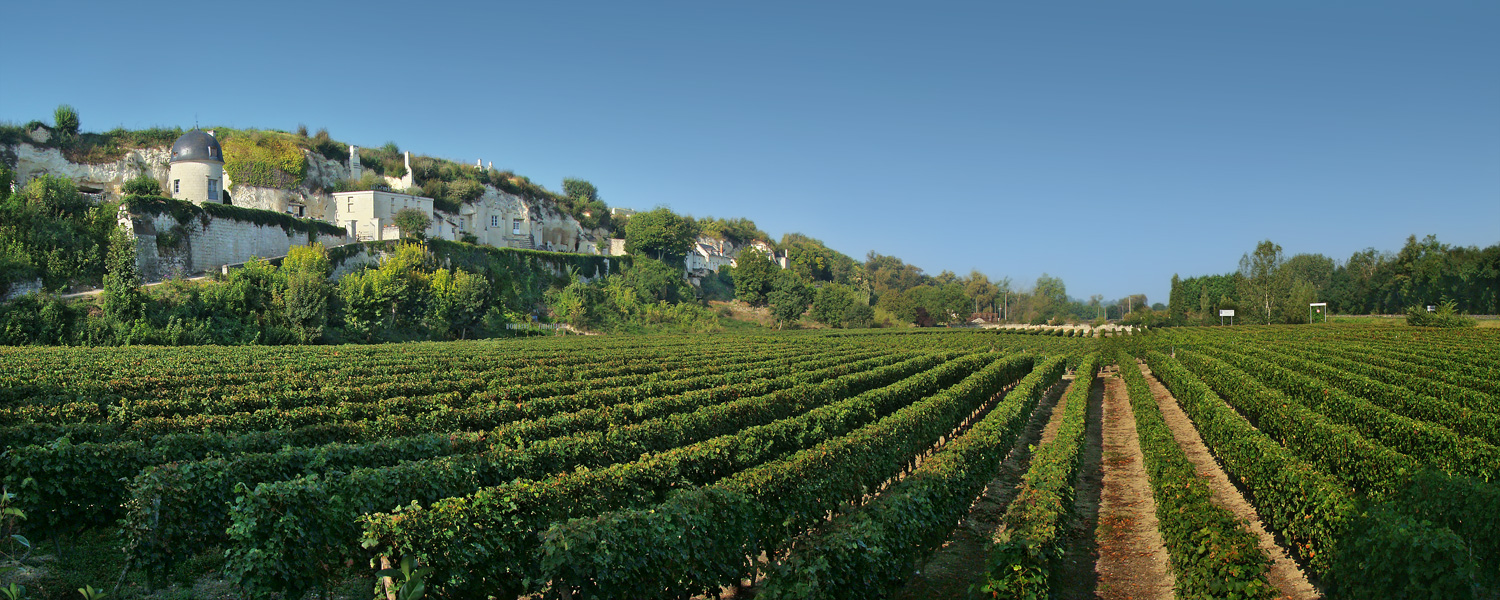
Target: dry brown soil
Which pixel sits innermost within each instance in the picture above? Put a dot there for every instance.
(1132, 558)
(1284, 572)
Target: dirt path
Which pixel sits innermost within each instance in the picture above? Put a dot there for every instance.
(1077, 579)
(1132, 559)
(1284, 572)
(960, 562)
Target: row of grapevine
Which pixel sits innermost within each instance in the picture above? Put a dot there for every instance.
(1404, 526)
(1351, 376)
(643, 553)
(1022, 558)
(871, 551)
(1427, 443)
(1386, 367)
(1212, 553)
(273, 525)
(76, 483)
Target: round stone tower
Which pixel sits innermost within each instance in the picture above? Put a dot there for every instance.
(197, 173)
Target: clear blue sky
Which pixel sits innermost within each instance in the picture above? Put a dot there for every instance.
(1110, 144)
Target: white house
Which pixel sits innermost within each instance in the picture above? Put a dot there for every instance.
(371, 215)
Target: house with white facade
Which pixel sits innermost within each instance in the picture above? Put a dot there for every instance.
(371, 215)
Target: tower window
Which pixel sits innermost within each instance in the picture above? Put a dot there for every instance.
(213, 190)
(176, 186)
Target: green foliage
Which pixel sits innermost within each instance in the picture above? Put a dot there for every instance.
(1392, 555)
(122, 279)
(1021, 562)
(813, 261)
(789, 298)
(413, 223)
(50, 231)
(142, 185)
(263, 158)
(657, 281)
(871, 552)
(408, 579)
(387, 160)
(459, 302)
(832, 303)
(660, 232)
(65, 120)
(738, 231)
(1213, 555)
(1445, 316)
(498, 554)
(585, 556)
(718, 285)
(753, 276)
(323, 144)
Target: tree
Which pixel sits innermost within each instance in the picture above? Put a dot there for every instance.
(306, 300)
(122, 279)
(1177, 302)
(788, 298)
(979, 289)
(1262, 278)
(661, 232)
(579, 189)
(1049, 298)
(656, 281)
(753, 275)
(459, 301)
(413, 222)
(66, 119)
(142, 185)
(832, 303)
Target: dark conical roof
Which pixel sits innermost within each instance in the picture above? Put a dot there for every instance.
(197, 145)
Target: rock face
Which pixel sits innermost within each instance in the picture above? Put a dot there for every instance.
(32, 161)
(497, 218)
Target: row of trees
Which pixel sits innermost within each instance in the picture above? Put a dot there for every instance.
(1268, 287)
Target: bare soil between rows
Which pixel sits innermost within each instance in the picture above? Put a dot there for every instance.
(960, 563)
(1284, 573)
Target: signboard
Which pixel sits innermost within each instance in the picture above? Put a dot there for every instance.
(1226, 313)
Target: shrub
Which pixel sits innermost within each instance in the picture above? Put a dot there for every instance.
(263, 159)
(1446, 316)
(66, 118)
(142, 185)
(413, 222)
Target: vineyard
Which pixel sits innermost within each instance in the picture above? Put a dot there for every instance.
(1356, 462)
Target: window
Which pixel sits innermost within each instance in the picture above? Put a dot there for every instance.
(494, 220)
(176, 186)
(515, 227)
(213, 190)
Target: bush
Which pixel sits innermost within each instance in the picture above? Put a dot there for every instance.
(66, 118)
(142, 185)
(413, 222)
(1446, 316)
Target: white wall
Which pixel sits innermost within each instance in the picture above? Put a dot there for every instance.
(188, 180)
(204, 247)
